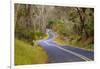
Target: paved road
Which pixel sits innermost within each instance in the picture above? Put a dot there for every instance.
(59, 54)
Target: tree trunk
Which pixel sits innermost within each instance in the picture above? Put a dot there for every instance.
(82, 16)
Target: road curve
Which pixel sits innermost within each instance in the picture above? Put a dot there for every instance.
(59, 54)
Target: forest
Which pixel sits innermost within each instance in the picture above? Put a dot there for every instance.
(74, 27)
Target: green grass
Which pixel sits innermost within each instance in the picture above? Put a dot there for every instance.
(59, 41)
(28, 54)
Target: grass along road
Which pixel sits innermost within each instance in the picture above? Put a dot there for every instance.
(28, 54)
(74, 43)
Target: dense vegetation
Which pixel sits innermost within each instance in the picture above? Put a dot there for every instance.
(74, 25)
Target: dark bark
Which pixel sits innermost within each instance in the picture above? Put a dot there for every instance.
(81, 12)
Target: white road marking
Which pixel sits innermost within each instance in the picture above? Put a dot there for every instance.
(69, 51)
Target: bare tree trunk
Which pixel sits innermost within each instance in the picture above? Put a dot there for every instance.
(81, 13)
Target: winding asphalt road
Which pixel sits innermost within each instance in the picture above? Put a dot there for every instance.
(59, 54)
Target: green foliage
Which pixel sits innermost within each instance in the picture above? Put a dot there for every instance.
(50, 23)
(38, 35)
(55, 24)
(90, 24)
